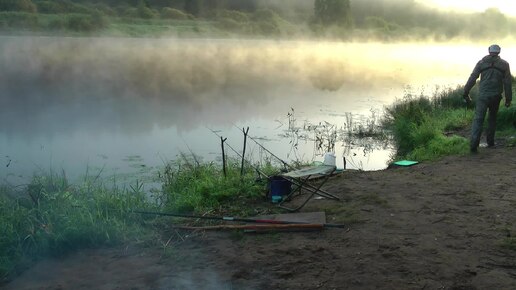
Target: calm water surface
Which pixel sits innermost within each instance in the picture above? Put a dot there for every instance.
(127, 106)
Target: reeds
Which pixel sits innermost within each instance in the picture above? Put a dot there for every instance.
(429, 127)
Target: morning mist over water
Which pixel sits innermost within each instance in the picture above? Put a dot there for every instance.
(121, 103)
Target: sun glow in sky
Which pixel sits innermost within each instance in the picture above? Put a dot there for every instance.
(505, 6)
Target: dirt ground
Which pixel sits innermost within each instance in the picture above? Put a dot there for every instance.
(437, 225)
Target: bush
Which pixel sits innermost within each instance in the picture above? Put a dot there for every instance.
(418, 124)
(50, 7)
(99, 19)
(373, 22)
(506, 117)
(58, 23)
(104, 9)
(130, 12)
(237, 16)
(18, 20)
(266, 22)
(80, 23)
(266, 28)
(228, 24)
(86, 23)
(171, 13)
(410, 108)
(145, 13)
(58, 7)
(18, 5)
(450, 98)
(142, 12)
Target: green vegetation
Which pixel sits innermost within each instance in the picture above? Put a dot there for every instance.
(192, 186)
(51, 217)
(344, 19)
(426, 128)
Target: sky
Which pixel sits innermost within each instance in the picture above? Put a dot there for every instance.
(505, 6)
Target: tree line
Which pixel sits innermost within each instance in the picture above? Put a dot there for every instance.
(325, 11)
(384, 19)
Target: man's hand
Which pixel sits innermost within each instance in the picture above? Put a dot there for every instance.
(467, 99)
(507, 104)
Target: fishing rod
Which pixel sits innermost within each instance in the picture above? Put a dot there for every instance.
(255, 228)
(240, 155)
(268, 151)
(233, 219)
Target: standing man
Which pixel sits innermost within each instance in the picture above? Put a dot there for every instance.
(495, 78)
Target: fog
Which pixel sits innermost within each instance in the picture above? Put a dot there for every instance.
(69, 103)
(102, 84)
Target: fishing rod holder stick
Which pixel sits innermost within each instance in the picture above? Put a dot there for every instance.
(222, 140)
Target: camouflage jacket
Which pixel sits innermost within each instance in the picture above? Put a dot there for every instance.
(495, 78)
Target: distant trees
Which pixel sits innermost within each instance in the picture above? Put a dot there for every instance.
(199, 7)
(143, 11)
(193, 7)
(492, 23)
(346, 19)
(333, 12)
(171, 13)
(18, 5)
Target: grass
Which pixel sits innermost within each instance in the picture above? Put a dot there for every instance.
(51, 217)
(192, 186)
(427, 128)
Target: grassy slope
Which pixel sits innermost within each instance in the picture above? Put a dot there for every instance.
(427, 128)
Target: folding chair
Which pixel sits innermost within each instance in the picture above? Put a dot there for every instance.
(301, 179)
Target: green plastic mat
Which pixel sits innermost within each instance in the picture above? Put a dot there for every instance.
(405, 163)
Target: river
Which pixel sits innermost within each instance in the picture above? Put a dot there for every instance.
(127, 106)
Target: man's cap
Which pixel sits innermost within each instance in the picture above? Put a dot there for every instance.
(495, 48)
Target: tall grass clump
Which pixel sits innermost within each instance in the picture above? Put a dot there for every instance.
(51, 217)
(419, 124)
(506, 118)
(192, 186)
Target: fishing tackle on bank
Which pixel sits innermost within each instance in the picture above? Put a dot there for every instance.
(268, 151)
(233, 219)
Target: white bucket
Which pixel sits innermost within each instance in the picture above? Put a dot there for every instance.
(329, 159)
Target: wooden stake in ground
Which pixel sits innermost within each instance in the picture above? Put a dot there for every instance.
(222, 140)
(243, 151)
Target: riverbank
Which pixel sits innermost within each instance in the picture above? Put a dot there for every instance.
(443, 224)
